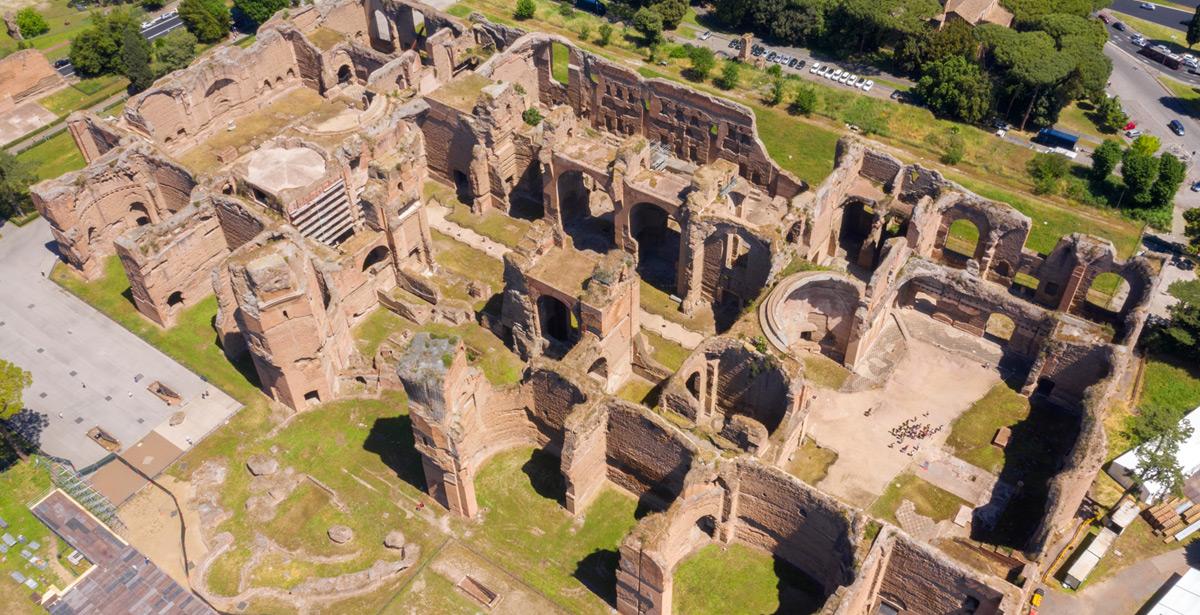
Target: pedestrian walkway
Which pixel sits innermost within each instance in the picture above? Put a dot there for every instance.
(438, 221)
(670, 330)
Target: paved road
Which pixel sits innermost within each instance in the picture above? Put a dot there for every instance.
(1163, 15)
(1122, 594)
(84, 365)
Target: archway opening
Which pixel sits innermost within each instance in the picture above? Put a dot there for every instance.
(462, 188)
(312, 397)
(657, 236)
(377, 255)
(1109, 292)
(599, 370)
(693, 385)
(140, 213)
(345, 74)
(962, 239)
(175, 300)
(556, 320)
(708, 525)
(857, 220)
(587, 214)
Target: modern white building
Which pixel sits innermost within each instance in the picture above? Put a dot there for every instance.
(1182, 599)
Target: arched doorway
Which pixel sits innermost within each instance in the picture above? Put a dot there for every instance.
(556, 320)
(175, 301)
(962, 240)
(657, 236)
(1109, 292)
(585, 217)
(345, 74)
(378, 254)
(140, 213)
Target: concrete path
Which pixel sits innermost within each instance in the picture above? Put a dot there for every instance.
(88, 371)
(1122, 594)
(673, 331)
(945, 471)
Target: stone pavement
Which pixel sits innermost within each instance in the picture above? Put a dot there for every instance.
(88, 371)
(914, 523)
(1122, 594)
(945, 471)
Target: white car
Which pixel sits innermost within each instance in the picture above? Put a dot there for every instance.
(705, 35)
(816, 66)
(848, 79)
(837, 74)
(866, 87)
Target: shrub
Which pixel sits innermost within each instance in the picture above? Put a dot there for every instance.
(565, 9)
(31, 23)
(729, 75)
(955, 148)
(532, 116)
(805, 101)
(605, 31)
(525, 9)
(585, 30)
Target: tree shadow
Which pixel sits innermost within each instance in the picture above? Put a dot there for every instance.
(392, 439)
(544, 471)
(597, 571)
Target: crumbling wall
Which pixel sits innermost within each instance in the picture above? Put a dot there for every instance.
(646, 455)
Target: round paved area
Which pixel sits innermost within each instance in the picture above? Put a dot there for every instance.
(283, 168)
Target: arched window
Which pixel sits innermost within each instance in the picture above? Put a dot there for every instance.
(377, 255)
(345, 74)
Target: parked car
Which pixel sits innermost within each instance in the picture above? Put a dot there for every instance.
(837, 74)
(1103, 17)
(816, 66)
(1176, 127)
(847, 79)
(799, 64)
(706, 35)
(1133, 134)
(1118, 26)
(1196, 187)
(1162, 49)
(1147, 6)
(792, 62)
(866, 87)
(61, 62)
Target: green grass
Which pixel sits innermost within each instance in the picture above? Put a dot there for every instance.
(1188, 95)
(929, 500)
(736, 579)
(1186, 291)
(1076, 117)
(824, 372)
(963, 237)
(1052, 222)
(670, 354)
(1171, 385)
(658, 302)
(526, 527)
(636, 390)
(560, 59)
(84, 94)
(20, 485)
(53, 157)
(971, 433)
(811, 462)
(484, 350)
(805, 150)
(493, 224)
(469, 263)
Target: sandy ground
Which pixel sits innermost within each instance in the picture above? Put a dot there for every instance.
(154, 527)
(927, 379)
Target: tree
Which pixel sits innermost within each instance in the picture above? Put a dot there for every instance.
(805, 101)
(1112, 116)
(1171, 173)
(258, 11)
(532, 116)
(135, 56)
(1146, 145)
(956, 148)
(1193, 29)
(605, 31)
(1139, 171)
(775, 96)
(1047, 171)
(97, 50)
(956, 88)
(703, 60)
(1157, 431)
(671, 12)
(1180, 335)
(955, 38)
(15, 179)
(13, 382)
(209, 20)
(173, 51)
(1191, 229)
(729, 75)
(649, 23)
(1105, 159)
(525, 9)
(31, 23)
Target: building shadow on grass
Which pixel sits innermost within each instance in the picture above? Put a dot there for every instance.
(597, 571)
(798, 592)
(545, 476)
(392, 439)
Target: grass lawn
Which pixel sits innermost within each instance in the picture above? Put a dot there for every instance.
(525, 526)
(811, 462)
(929, 500)
(1188, 292)
(670, 354)
(736, 579)
(971, 433)
(84, 94)
(636, 390)
(560, 59)
(484, 350)
(657, 302)
(53, 157)
(469, 263)
(1170, 384)
(824, 372)
(1187, 94)
(1157, 33)
(493, 224)
(20, 485)
(1075, 118)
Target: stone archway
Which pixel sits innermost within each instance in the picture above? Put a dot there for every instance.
(658, 238)
(586, 212)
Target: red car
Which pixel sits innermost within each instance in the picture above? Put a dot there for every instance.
(1130, 126)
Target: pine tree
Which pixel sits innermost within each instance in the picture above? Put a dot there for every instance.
(135, 55)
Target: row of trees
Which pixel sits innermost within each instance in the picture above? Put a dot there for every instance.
(1028, 73)
(114, 45)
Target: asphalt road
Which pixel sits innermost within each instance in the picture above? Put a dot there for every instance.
(88, 371)
(1163, 15)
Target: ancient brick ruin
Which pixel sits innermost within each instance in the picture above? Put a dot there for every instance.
(288, 179)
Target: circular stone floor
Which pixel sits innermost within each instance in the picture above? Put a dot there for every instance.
(282, 168)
